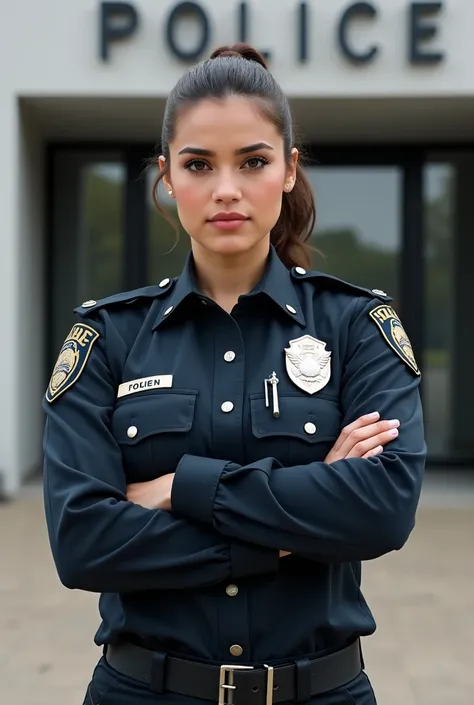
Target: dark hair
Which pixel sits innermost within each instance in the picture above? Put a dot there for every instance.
(241, 70)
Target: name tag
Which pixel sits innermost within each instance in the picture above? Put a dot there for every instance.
(144, 384)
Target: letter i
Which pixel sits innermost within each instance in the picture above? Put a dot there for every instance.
(303, 49)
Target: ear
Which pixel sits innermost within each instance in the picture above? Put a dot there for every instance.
(166, 179)
(290, 179)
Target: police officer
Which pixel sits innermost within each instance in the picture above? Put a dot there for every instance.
(224, 449)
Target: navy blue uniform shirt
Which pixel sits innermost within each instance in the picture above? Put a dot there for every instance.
(163, 380)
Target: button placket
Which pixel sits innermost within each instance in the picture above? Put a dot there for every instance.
(228, 408)
(228, 388)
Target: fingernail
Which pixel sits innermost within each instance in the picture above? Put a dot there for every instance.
(393, 432)
(394, 422)
(374, 415)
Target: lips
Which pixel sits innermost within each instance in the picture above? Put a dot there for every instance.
(227, 217)
(228, 222)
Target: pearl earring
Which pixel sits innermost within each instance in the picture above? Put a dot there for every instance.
(288, 186)
(170, 192)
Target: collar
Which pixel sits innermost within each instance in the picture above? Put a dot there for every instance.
(184, 287)
(276, 283)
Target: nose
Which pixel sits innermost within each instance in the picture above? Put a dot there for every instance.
(226, 189)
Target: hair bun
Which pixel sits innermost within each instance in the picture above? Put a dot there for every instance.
(244, 51)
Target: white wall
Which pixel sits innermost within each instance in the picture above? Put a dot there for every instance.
(53, 49)
(21, 295)
(9, 290)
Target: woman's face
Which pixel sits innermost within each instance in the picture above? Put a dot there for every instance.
(228, 174)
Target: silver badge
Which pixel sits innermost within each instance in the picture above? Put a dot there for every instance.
(308, 363)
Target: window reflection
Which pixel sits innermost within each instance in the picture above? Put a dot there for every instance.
(101, 237)
(439, 186)
(88, 237)
(358, 228)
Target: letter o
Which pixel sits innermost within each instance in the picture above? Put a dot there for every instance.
(187, 8)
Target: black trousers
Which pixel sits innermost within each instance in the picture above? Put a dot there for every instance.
(108, 687)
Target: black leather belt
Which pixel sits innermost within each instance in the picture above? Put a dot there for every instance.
(235, 684)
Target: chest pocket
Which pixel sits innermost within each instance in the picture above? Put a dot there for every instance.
(153, 432)
(304, 432)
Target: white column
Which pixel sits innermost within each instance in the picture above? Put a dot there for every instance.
(21, 295)
(10, 382)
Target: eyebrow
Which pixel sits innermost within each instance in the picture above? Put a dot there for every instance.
(209, 153)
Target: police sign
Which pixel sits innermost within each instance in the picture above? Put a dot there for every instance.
(121, 20)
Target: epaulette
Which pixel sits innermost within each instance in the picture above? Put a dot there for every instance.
(126, 297)
(333, 282)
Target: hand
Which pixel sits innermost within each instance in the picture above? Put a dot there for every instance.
(155, 494)
(363, 438)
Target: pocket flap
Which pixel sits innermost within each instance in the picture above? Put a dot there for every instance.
(161, 412)
(309, 419)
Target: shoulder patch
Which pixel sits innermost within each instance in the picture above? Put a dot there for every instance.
(394, 333)
(71, 360)
(125, 297)
(336, 283)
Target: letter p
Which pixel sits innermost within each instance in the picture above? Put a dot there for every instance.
(118, 20)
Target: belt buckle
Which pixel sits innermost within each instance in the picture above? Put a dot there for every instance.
(226, 683)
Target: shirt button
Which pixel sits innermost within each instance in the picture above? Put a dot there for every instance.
(164, 282)
(310, 428)
(229, 356)
(227, 406)
(232, 590)
(290, 308)
(236, 650)
(300, 270)
(132, 432)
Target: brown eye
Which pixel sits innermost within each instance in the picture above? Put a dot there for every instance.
(196, 165)
(255, 163)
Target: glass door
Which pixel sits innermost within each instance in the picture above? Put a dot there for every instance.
(358, 234)
(87, 234)
(449, 291)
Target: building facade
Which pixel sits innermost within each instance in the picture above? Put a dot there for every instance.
(383, 97)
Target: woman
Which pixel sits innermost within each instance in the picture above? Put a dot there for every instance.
(224, 449)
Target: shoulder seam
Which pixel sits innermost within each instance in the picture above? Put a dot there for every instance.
(315, 274)
(150, 292)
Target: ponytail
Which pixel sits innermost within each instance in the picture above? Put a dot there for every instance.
(295, 224)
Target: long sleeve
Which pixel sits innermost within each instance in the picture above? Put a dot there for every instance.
(100, 541)
(355, 509)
